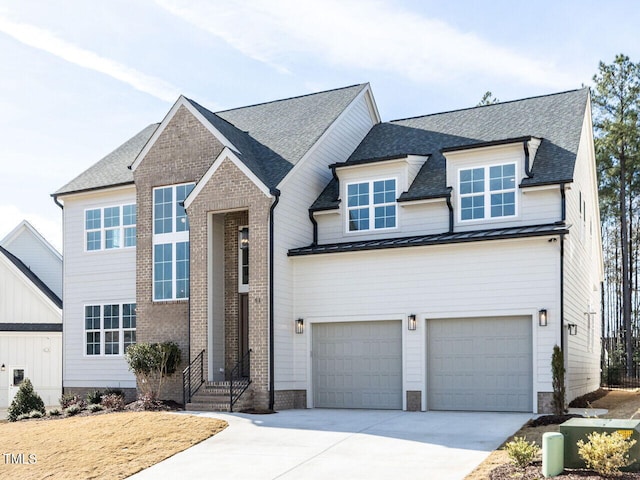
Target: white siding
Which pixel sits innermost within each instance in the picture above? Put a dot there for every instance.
(20, 300)
(293, 229)
(483, 279)
(38, 255)
(92, 278)
(40, 354)
(534, 206)
(583, 273)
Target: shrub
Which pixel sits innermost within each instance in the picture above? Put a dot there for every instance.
(36, 414)
(557, 372)
(95, 407)
(521, 452)
(22, 416)
(148, 402)
(73, 410)
(54, 413)
(152, 363)
(113, 391)
(25, 401)
(113, 402)
(68, 399)
(606, 453)
(94, 397)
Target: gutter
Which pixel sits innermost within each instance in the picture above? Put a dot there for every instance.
(315, 228)
(276, 193)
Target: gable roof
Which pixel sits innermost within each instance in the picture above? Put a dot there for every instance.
(556, 118)
(270, 138)
(113, 169)
(32, 277)
(14, 235)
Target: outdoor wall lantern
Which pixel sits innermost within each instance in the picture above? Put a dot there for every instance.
(542, 317)
(413, 324)
(2, 368)
(300, 325)
(573, 328)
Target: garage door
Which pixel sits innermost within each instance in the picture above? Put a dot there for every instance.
(480, 364)
(357, 365)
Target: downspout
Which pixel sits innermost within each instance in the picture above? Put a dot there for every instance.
(562, 291)
(563, 203)
(276, 193)
(563, 217)
(450, 207)
(315, 228)
(527, 167)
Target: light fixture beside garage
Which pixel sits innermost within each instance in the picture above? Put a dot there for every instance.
(300, 325)
(3, 368)
(413, 324)
(542, 317)
(573, 328)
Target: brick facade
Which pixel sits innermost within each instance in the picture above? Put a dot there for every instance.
(233, 194)
(414, 400)
(545, 402)
(182, 153)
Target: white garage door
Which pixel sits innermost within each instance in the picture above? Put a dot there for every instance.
(480, 364)
(357, 365)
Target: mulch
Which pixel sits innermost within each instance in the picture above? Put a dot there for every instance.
(509, 471)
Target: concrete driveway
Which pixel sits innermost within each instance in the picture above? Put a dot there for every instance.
(342, 444)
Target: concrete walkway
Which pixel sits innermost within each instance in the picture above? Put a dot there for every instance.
(342, 444)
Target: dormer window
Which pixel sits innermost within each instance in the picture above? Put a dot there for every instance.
(487, 192)
(371, 205)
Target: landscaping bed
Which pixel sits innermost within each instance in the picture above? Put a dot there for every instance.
(622, 404)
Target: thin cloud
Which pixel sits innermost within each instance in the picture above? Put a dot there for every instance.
(43, 40)
(364, 35)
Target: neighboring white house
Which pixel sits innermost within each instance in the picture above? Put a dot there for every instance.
(429, 263)
(30, 315)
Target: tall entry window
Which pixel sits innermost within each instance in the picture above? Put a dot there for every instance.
(243, 260)
(170, 242)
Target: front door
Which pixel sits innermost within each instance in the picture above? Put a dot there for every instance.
(17, 376)
(243, 331)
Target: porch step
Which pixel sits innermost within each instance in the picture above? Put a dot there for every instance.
(214, 397)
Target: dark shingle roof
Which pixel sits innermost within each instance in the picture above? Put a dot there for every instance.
(113, 169)
(556, 118)
(290, 127)
(434, 239)
(32, 277)
(271, 137)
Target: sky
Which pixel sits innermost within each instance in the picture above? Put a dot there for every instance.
(78, 78)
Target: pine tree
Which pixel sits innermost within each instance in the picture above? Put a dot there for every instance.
(617, 99)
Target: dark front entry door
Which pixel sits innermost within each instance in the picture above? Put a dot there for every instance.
(243, 331)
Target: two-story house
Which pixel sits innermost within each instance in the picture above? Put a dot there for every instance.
(30, 315)
(334, 260)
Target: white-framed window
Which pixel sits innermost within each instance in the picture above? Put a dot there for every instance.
(109, 328)
(371, 205)
(170, 243)
(110, 227)
(487, 192)
(243, 259)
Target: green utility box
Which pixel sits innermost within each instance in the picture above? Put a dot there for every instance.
(578, 429)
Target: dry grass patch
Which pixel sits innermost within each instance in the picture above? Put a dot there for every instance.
(112, 446)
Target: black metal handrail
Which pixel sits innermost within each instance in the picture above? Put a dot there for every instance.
(240, 379)
(192, 378)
